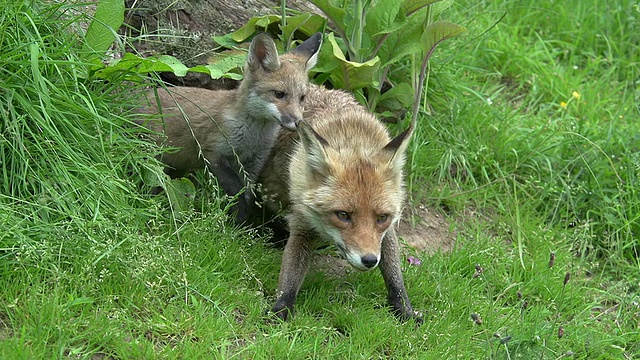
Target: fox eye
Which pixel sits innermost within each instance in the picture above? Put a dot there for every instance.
(343, 216)
(382, 219)
(302, 98)
(279, 94)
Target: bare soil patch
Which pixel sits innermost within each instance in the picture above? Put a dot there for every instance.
(426, 229)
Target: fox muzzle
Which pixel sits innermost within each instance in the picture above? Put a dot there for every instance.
(289, 122)
(364, 262)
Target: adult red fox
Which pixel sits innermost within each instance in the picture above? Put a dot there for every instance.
(232, 131)
(339, 178)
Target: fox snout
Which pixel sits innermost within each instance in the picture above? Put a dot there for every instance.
(363, 262)
(359, 239)
(289, 121)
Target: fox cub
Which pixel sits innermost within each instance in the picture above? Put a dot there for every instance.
(339, 178)
(231, 132)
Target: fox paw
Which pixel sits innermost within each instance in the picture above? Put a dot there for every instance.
(409, 315)
(279, 313)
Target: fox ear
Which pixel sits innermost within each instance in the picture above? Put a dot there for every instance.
(310, 49)
(396, 148)
(263, 53)
(314, 144)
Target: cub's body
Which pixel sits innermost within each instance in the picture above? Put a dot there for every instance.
(231, 132)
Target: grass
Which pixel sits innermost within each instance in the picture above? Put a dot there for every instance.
(91, 268)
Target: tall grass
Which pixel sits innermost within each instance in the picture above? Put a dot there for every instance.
(64, 138)
(68, 162)
(68, 157)
(552, 111)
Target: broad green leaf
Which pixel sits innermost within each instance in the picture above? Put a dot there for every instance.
(383, 17)
(334, 10)
(352, 75)
(335, 48)
(174, 64)
(228, 60)
(255, 24)
(305, 23)
(150, 174)
(327, 61)
(215, 73)
(308, 24)
(131, 63)
(437, 32)
(226, 41)
(103, 28)
(440, 7)
(398, 98)
(220, 68)
(223, 65)
(404, 41)
(409, 7)
(407, 40)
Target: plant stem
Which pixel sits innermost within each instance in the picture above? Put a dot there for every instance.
(283, 12)
(357, 36)
(419, 88)
(283, 21)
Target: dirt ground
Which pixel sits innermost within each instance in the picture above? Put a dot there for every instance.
(184, 28)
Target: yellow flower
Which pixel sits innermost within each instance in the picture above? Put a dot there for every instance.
(576, 95)
(563, 104)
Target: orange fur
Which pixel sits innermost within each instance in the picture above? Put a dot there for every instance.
(339, 178)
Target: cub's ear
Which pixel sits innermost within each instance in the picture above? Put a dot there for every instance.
(309, 49)
(315, 147)
(263, 53)
(396, 148)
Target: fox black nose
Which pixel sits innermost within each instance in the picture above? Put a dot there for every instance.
(369, 260)
(290, 122)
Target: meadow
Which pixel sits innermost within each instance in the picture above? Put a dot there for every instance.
(528, 144)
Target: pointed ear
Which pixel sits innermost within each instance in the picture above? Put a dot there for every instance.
(315, 146)
(396, 148)
(263, 53)
(310, 49)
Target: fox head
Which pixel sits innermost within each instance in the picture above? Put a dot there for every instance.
(346, 181)
(276, 86)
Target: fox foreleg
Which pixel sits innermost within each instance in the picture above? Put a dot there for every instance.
(233, 184)
(295, 263)
(392, 275)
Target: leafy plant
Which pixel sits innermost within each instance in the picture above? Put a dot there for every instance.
(134, 66)
(375, 36)
(224, 64)
(287, 28)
